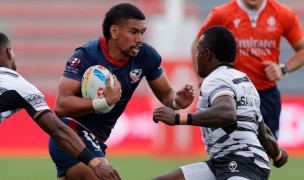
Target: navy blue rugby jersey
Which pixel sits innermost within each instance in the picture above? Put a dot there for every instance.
(129, 73)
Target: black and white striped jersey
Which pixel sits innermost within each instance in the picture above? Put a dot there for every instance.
(16, 93)
(241, 137)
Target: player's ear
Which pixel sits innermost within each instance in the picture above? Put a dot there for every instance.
(114, 31)
(9, 53)
(209, 54)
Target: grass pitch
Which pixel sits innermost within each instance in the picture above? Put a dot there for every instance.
(130, 168)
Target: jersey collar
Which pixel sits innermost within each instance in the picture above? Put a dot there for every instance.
(105, 51)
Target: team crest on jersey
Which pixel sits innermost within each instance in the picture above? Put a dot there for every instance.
(232, 166)
(271, 21)
(74, 62)
(135, 75)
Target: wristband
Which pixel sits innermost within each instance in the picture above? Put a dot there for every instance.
(183, 119)
(86, 156)
(174, 104)
(189, 121)
(94, 162)
(101, 105)
(177, 119)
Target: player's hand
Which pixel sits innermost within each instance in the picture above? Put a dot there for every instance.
(185, 96)
(273, 71)
(112, 92)
(165, 115)
(283, 160)
(106, 172)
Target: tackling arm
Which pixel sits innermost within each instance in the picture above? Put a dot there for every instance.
(167, 96)
(221, 113)
(271, 146)
(72, 144)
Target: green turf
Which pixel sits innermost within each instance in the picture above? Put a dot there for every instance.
(130, 168)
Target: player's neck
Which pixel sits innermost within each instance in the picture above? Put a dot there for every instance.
(114, 52)
(253, 5)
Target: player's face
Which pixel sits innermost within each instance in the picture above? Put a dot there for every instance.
(253, 4)
(202, 58)
(130, 37)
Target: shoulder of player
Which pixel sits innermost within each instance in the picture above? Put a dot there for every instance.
(225, 9)
(90, 48)
(278, 7)
(147, 49)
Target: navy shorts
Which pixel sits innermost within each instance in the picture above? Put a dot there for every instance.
(63, 160)
(271, 109)
(237, 166)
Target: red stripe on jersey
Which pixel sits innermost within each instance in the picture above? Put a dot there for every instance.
(105, 50)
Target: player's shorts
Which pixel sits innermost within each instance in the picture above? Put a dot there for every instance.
(63, 160)
(232, 167)
(271, 109)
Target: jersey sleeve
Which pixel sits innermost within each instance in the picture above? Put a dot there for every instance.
(153, 65)
(78, 63)
(216, 87)
(23, 95)
(291, 25)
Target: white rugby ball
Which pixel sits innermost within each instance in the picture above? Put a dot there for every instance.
(94, 81)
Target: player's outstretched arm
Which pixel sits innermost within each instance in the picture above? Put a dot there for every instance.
(221, 113)
(168, 97)
(269, 143)
(72, 144)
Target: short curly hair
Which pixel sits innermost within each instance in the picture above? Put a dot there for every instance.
(221, 42)
(118, 13)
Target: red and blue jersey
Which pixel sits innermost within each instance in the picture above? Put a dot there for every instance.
(128, 72)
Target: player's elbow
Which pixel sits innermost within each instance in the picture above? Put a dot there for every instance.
(59, 111)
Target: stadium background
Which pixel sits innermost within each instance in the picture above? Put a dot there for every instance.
(45, 33)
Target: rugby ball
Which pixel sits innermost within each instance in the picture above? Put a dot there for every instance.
(94, 81)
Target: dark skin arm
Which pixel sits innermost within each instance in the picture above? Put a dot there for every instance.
(271, 146)
(221, 113)
(72, 144)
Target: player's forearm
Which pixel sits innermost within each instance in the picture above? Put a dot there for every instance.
(296, 61)
(68, 140)
(216, 116)
(270, 144)
(73, 106)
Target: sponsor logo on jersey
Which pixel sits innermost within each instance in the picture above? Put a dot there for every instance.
(232, 166)
(74, 62)
(135, 75)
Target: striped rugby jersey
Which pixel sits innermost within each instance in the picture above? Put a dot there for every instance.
(239, 138)
(16, 93)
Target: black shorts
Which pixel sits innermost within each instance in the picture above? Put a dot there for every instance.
(63, 160)
(237, 166)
